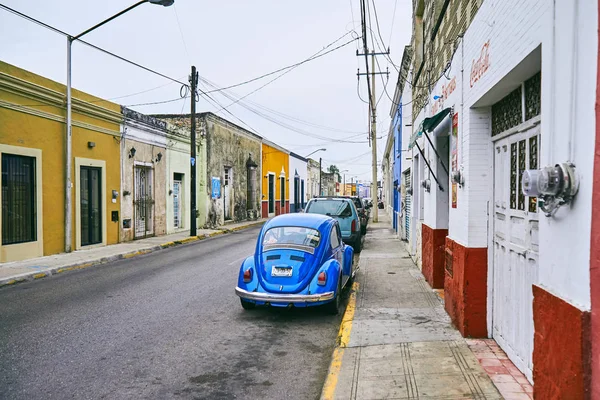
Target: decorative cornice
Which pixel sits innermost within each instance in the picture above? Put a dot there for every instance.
(49, 97)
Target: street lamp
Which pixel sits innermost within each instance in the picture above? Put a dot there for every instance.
(314, 152)
(320, 168)
(70, 40)
(344, 183)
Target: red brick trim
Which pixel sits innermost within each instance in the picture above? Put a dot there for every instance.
(465, 289)
(433, 247)
(595, 250)
(561, 348)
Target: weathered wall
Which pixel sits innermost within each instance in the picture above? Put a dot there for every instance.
(228, 145)
(313, 178)
(32, 116)
(148, 136)
(178, 162)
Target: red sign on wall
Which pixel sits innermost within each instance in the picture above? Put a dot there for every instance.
(481, 65)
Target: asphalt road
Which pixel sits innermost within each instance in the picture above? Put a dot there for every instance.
(166, 325)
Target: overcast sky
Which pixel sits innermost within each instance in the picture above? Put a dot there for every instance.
(229, 42)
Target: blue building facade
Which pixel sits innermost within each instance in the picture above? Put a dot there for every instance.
(397, 157)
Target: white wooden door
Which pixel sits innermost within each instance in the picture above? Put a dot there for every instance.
(515, 247)
(177, 222)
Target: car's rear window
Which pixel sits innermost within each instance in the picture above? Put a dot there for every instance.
(357, 202)
(292, 235)
(331, 207)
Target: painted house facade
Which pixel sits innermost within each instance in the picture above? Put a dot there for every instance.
(143, 176)
(299, 170)
(32, 142)
(313, 178)
(506, 103)
(276, 180)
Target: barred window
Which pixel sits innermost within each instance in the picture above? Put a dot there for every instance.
(19, 222)
(508, 112)
(533, 96)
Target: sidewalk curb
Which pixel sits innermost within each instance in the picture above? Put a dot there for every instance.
(341, 343)
(31, 276)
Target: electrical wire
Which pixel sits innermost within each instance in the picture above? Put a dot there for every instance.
(56, 30)
(289, 66)
(181, 33)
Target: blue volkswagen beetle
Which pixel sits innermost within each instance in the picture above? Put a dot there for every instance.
(300, 260)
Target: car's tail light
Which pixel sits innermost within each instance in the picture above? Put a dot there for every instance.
(322, 278)
(353, 225)
(247, 275)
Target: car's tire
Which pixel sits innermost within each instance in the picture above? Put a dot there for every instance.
(333, 307)
(357, 245)
(246, 305)
(363, 230)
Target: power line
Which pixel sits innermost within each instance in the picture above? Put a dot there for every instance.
(56, 30)
(289, 66)
(181, 33)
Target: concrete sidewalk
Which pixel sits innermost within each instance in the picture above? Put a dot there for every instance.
(36, 268)
(396, 340)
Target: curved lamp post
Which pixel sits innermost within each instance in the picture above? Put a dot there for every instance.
(320, 168)
(69, 121)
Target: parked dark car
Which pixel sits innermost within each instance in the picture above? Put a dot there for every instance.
(363, 213)
(345, 212)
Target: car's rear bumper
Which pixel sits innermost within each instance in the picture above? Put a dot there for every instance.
(283, 297)
(353, 238)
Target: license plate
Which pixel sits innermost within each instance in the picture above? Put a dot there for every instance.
(281, 271)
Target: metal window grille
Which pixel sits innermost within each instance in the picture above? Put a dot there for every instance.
(522, 155)
(18, 199)
(513, 176)
(533, 164)
(533, 96)
(508, 112)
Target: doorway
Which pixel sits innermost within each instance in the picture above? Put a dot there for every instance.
(143, 202)
(177, 203)
(271, 194)
(227, 194)
(90, 203)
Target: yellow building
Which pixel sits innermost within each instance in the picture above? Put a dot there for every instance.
(32, 153)
(276, 177)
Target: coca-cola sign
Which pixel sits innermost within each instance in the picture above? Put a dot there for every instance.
(481, 65)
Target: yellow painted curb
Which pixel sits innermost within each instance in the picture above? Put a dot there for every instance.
(342, 341)
(38, 276)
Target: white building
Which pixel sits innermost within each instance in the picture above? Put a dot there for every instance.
(299, 174)
(517, 95)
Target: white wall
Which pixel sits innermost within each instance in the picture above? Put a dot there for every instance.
(178, 161)
(299, 165)
(568, 134)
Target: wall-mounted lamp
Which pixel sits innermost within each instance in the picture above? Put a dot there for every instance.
(126, 192)
(458, 177)
(158, 157)
(426, 183)
(553, 186)
(91, 145)
(132, 152)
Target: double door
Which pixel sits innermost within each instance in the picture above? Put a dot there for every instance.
(515, 247)
(143, 202)
(90, 205)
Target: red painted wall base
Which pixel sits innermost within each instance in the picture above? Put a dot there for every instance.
(433, 249)
(265, 209)
(561, 348)
(465, 288)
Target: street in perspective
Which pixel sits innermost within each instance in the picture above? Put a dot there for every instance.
(349, 200)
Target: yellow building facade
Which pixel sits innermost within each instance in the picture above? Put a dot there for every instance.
(32, 153)
(276, 180)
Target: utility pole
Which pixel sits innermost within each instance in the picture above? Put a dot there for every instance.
(320, 176)
(372, 103)
(374, 140)
(193, 84)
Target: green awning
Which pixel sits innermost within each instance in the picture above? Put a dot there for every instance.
(415, 136)
(429, 124)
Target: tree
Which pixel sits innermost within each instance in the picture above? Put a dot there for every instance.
(335, 170)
